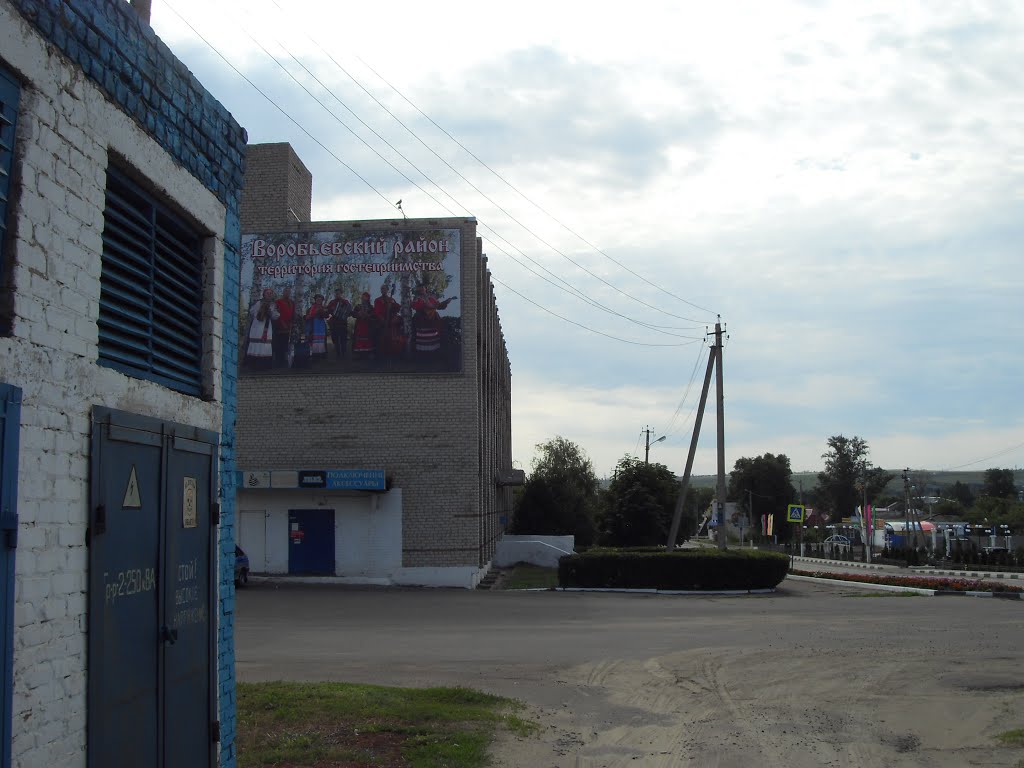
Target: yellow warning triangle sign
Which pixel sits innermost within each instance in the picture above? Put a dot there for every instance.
(132, 500)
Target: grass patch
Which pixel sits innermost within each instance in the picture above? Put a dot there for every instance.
(1014, 738)
(526, 576)
(340, 725)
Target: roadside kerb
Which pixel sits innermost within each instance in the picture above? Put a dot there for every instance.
(915, 590)
(923, 570)
(866, 585)
(676, 592)
(844, 563)
(968, 574)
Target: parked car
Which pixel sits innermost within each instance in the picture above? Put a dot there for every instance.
(241, 567)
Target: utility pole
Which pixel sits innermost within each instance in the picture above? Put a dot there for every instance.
(866, 522)
(685, 483)
(714, 362)
(647, 444)
(720, 392)
(906, 514)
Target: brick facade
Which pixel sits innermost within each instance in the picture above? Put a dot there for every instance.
(443, 438)
(98, 85)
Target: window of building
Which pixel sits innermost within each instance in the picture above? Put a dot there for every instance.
(151, 289)
(10, 92)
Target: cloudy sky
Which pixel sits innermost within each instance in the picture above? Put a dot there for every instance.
(842, 183)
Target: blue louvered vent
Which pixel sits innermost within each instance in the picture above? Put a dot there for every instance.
(151, 297)
(9, 95)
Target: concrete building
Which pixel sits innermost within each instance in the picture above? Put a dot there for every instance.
(120, 180)
(375, 448)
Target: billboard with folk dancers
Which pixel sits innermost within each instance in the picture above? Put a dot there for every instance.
(350, 302)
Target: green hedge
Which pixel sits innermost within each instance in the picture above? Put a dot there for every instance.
(690, 569)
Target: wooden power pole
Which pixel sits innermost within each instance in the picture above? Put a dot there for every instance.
(720, 392)
(714, 363)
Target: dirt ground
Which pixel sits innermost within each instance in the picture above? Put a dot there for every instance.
(735, 709)
(811, 676)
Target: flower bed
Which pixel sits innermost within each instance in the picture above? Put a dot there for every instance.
(917, 582)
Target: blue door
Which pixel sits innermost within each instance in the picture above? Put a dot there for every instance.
(311, 542)
(150, 691)
(10, 424)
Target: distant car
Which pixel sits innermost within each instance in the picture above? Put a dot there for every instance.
(241, 567)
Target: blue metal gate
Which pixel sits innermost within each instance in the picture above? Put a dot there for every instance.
(311, 541)
(151, 560)
(10, 424)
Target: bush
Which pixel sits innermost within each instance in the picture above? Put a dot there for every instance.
(683, 570)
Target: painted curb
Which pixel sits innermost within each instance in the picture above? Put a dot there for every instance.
(847, 583)
(915, 590)
(673, 592)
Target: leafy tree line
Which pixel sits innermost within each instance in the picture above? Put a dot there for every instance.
(562, 495)
(998, 501)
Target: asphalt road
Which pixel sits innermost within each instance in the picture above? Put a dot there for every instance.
(554, 650)
(429, 636)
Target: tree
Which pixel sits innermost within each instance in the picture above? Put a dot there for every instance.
(560, 495)
(999, 484)
(849, 476)
(638, 504)
(961, 492)
(763, 484)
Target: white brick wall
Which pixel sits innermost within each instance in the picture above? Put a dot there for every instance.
(66, 133)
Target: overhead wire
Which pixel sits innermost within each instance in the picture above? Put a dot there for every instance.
(476, 188)
(686, 394)
(581, 325)
(572, 290)
(278, 107)
(501, 178)
(666, 330)
(1003, 452)
(527, 198)
(579, 294)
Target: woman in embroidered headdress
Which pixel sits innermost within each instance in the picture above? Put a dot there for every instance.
(259, 349)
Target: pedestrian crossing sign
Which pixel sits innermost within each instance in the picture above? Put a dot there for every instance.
(795, 513)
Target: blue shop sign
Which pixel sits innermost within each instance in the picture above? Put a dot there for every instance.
(355, 479)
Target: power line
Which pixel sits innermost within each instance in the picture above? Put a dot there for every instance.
(495, 173)
(276, 105)
(527, 198)
(572, 290)
(686, 393)
(986, 458)
(586, 327)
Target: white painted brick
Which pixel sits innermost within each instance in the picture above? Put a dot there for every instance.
(68, 583)
(30, 256)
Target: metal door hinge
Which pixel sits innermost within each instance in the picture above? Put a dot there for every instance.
(215, 731)
(215, 514)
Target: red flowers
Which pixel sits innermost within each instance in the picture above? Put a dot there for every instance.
(917, 582)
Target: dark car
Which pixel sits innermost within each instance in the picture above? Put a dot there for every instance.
(241, 567)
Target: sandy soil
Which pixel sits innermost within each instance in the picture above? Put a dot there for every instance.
(776, 709)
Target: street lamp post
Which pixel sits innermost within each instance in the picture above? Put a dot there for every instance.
(648, 443)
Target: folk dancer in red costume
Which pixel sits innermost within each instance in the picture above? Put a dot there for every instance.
(259, 349)
(427, 324)
(316, 328)
(283, 328)
(363, 335)
(391, 340)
